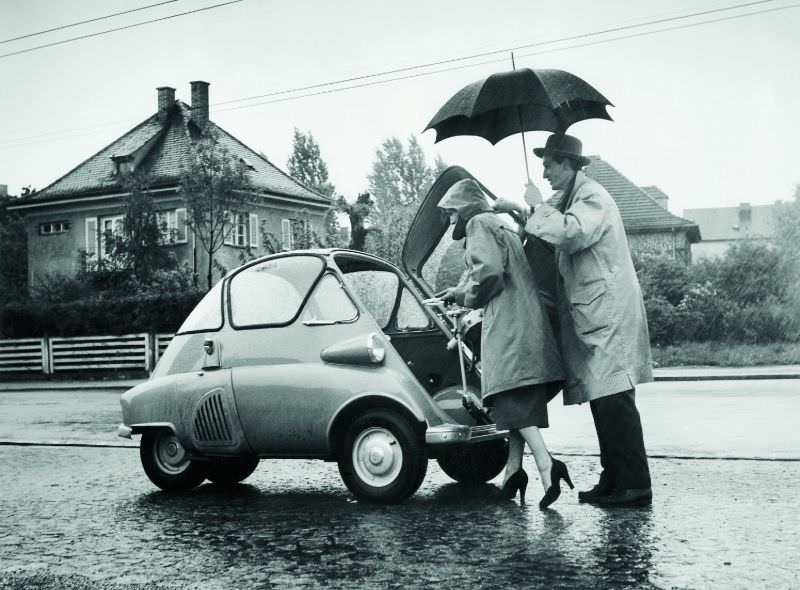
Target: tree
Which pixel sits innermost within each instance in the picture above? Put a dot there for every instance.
(787, 238)
(400, 178)
(357, 213)
(306, 164)
(13, 261)
(215, 185)
(140, 249)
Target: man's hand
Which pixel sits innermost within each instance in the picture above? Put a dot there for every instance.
(532, 195)
(506, 206)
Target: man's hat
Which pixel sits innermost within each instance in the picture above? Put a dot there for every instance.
(565, 146)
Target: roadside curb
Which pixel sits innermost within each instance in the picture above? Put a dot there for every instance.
(726, 377)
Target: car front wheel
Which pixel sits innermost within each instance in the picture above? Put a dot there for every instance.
(167, 463)
(230, 470)
(383, 459)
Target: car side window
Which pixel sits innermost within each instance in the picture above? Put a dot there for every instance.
(377, 289)
(410, 314)
(207, 315)
(329, 303)
(271, 292)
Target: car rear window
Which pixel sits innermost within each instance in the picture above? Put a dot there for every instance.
(272, 292)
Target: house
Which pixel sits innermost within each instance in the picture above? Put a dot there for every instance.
(724, 226)
(70, 216)
(651, 229)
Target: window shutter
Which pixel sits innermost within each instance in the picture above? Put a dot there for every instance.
(286, 234)
(230, 229)
(254, 230)
(181, 234)
(91, 236)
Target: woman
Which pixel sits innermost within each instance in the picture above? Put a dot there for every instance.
(522, 367)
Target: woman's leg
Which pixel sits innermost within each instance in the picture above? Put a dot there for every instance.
(533, 436)
(516, 447)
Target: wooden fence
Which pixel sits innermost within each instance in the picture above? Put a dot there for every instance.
(136, 352)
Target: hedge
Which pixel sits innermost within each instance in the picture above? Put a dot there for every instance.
(87, 317)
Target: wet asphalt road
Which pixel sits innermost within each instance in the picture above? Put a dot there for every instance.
(87, 517)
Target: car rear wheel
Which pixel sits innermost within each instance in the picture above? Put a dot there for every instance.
(477, 463)
(230, 470)
(167, 463)
(383, 459)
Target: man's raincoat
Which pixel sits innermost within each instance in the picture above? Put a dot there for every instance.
(603, 327)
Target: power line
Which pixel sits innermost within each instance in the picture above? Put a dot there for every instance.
(83, 22)
(454, 60)
(147, 22)
(495, 52)
(476, 56)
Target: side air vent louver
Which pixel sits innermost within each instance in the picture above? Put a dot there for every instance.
(210, 421)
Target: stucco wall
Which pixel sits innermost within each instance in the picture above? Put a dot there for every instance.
(675, 245)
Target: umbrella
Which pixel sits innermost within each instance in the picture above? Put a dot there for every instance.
(519, 100)
(516, 101)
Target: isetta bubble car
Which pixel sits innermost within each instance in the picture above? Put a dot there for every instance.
(332, 354)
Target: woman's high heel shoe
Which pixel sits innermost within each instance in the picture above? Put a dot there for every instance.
(558, 471)
(517, 481)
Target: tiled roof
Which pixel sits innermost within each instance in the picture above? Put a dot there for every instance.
(654, 192)
(639, 212)
(164, 149)
(724, 223)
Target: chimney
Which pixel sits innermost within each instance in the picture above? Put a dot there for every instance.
(166, 100)
(662, 200)
(200, 103)
(3, 190)
(745, 215)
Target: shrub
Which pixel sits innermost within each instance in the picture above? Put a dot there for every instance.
(701, 314)
(661, 320)
(750, 273)
(663, 277)
(770, 321)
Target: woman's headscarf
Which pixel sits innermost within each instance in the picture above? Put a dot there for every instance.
(467, 199)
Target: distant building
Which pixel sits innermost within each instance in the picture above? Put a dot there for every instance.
(74, 213)
(724, 226)
(651, 229)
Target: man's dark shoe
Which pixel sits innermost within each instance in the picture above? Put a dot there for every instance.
(627, 497)
(601, 490)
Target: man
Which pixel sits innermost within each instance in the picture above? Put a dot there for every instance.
(603, 328)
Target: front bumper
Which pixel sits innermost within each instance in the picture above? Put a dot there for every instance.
(446, 434)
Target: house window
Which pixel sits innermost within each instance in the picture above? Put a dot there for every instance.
(53, 227)
(295, 232)
(242, 230)
(101, 233)
(172, 223)
(111, 227)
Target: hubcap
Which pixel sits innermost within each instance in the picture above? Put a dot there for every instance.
(377, 457)
(170, 454)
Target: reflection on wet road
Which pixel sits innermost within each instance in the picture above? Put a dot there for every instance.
(90, 514)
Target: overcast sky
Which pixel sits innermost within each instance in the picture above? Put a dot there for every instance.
(707, 112)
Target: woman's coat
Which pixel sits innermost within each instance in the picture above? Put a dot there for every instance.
(603, 327)
(517, 343)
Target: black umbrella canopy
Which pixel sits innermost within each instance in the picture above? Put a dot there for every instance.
(520, 100)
